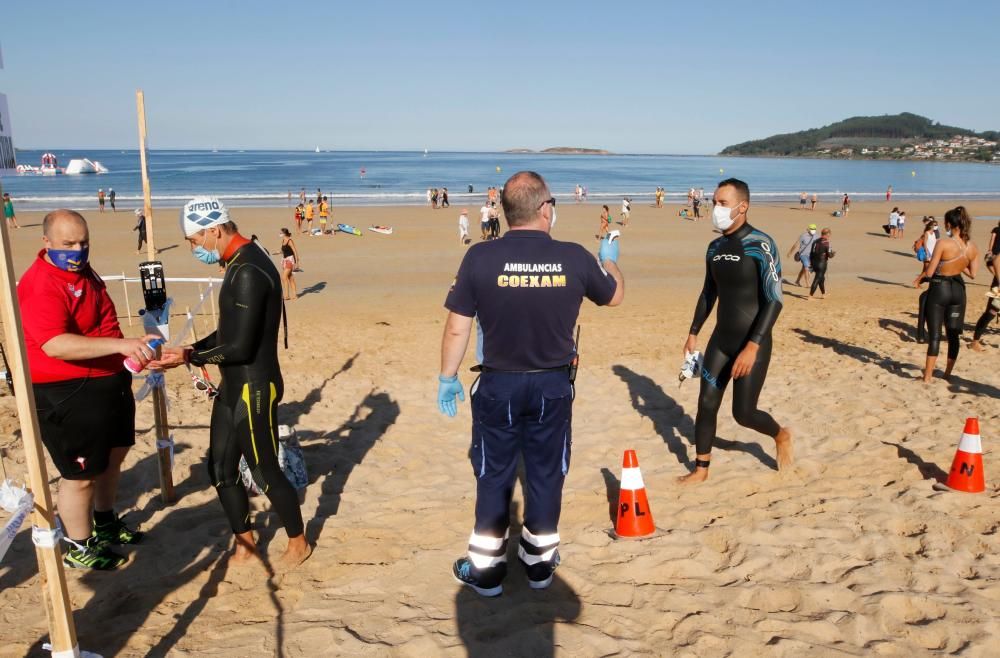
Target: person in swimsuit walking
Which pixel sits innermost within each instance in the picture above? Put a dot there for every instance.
(820, 253)
(289, 261)
(953, 257)
(605, 222)
(742, 272)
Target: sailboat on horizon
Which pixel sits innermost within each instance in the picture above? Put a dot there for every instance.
(317, 149)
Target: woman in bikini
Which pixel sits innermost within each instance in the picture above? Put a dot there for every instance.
(605, 222)
(289, 261)
(953, 257)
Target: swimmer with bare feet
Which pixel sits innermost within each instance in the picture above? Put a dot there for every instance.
(743, 272)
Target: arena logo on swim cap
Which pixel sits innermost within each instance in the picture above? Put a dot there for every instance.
(205, 205)
(204, 220)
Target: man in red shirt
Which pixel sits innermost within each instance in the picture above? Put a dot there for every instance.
(83, 394)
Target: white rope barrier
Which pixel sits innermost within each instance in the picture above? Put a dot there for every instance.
(19, 502)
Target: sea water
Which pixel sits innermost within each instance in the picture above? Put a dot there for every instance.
(274, 178)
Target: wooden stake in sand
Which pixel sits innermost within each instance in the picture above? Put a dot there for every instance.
(140, 103)
(164, 444)
(62, 633)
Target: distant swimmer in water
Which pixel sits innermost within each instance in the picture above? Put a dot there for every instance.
(742, 272)
(953, 257)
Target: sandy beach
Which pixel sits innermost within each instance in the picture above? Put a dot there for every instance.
(852, 552)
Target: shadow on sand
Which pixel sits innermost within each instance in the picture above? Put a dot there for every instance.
(332, 456)
(913, 371)
(927, 470)
(520, 622)
(673, 425)
(314, 288)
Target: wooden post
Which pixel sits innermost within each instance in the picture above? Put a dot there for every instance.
(62, 632)
(128, 306)
(140, 103)
(163, 448)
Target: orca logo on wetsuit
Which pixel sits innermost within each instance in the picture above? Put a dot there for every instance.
(770, 261)
(732, 257)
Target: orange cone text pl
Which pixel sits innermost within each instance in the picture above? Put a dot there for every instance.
(967, 469)
(635, 519)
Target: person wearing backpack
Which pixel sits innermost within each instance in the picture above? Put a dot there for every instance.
(819, 254)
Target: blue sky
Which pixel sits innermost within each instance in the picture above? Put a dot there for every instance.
(635, 77)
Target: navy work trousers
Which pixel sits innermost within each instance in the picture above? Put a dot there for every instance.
(517, 414)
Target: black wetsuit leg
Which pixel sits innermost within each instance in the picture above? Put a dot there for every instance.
(945, 306)
(989, 313)
(244, 422)
(984, 321)
(922, 318)
(746, 393)
(716, 373)
(819, 281)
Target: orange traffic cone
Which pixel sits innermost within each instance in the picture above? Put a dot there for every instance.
(967, 469)
(635, 519)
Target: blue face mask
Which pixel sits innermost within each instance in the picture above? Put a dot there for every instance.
(206, 256)
(70, 260)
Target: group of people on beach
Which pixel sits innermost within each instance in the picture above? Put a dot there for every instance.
(812, 252)
(525, 372)
(897, 223)
(109, 198)
(438, 198)
(308, 211)
(813, 200)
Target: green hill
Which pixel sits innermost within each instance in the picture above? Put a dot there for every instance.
(903, 135)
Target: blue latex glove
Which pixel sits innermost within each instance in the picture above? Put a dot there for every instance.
(608, 250)
(448, 388)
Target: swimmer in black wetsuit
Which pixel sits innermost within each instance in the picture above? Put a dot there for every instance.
(743, 272)
(245, 348)
(953, 257)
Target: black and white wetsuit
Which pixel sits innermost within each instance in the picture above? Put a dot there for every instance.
(244, 417)
(742, 272)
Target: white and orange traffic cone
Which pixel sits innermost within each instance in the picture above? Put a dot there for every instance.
(967, 469)
(635, 519)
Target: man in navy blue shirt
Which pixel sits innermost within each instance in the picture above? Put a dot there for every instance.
(526, 290)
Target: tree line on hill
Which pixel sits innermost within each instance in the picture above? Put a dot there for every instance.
(898, 129)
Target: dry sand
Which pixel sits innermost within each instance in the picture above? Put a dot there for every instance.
(850, 553)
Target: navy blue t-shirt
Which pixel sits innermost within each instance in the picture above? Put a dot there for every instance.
(527, 289)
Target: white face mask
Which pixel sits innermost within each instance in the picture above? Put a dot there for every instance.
(812, 231)
(552, 222)
(721, 217)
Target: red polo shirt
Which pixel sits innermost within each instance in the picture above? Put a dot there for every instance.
(54, 302)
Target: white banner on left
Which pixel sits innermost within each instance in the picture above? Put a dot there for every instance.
(8, 161)
(18, 501)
